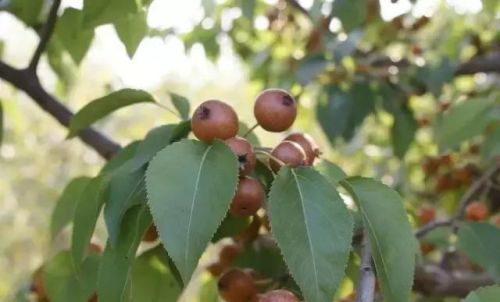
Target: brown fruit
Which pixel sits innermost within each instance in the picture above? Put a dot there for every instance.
(216, 269)
(445, 160)
(426, 214)
(424, 122)
(279, 295)
(245, 153)
(37, 285)
(151, 234)
(96, 248)
(426, 248)
(248, 198)
(307, 143)
(289, 153)
(214, 119)
(93, 298)
(229, 253)
(445, 182)
(462, 175)
(275, 110)
(430, 166)
(236, 285)
(476, 211)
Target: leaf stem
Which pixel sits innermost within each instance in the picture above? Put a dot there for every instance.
(169, 110)
(251, 130)
(268, 154)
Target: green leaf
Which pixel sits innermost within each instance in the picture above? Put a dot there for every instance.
(250, 137)
(310, 67)
(86, 213)
(120, 158)
(1, 123)
(181, 104)
(26, 10)
(63, 283)
(98, 12)
(116, 264)
(403, 131)
(352, 13)
(316, 245)
(64, 210)
(231, 226)
(70, 32)
(331, 171)
(333, 115)
(99, 108)
(481, 243)
(152, 278)
(208, 291)
(157, 139)
(131, 30)
(248, 9)
(464, 121)
(484, 294)
(125, 190)
(390, 234)
(491, 146)
(190, 186)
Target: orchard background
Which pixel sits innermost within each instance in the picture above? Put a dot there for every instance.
(402, 92)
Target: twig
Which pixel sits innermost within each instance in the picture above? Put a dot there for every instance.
(366, 284)
(46, 34)
(431, 226)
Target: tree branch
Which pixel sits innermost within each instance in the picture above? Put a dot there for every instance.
(432, 280)
(27, 81)
(487, 63)
(366, 284)
(46, 34)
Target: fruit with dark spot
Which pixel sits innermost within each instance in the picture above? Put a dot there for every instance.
(426, 214)
(307, 143)
(248, 198)
(279, 295)
(236, 285)
(151, 234)
(290, 153)
(476, 211)
(275, 110)
(245, 153)
(214, 119)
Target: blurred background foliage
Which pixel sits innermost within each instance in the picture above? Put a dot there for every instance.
(373, 79)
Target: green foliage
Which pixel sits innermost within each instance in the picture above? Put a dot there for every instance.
(181, 104)
(484, 294)
(464, 121)
(403, 131)
(73, 36)
(316, 245)
(64, 210)
(117, 260)
(101, 107)
(230, 226)
(331, 171)
(491, 145)
(152, 278)
(1, 123)
(98, 12)
(188, 211)
(352, 13)
(26, 10)
(64, 283)
(390, 234)
(481, 243)
(131, 30)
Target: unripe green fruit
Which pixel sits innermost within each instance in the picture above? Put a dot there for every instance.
(275, 110)
(214, 120)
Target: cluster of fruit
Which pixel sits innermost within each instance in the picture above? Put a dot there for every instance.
(275, 110)
(446, 174)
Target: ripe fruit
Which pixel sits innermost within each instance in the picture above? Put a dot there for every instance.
(236, 285)
(424, 122)
(216, 269)
(289, 153)
(275, 110)
(476, 211)
(445, 160)
(430, 166)
(426, 214)
(229, 253)
(151, 234)
(307, 143)
(244, 151)
(248, 197)
(462, 175)
(279, 295)
(426, 248)
(214, 119)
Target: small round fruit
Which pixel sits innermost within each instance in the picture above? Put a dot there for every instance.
(245, 153)
(307, 143)
(476, 211)
(426, 214)
(275, 110)
(214, 119)
(216, 269)
(229, 253)
(236, 285)
(426, 248)
(289, 153)
(151, 234)
(248, 198)
(279, 295)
